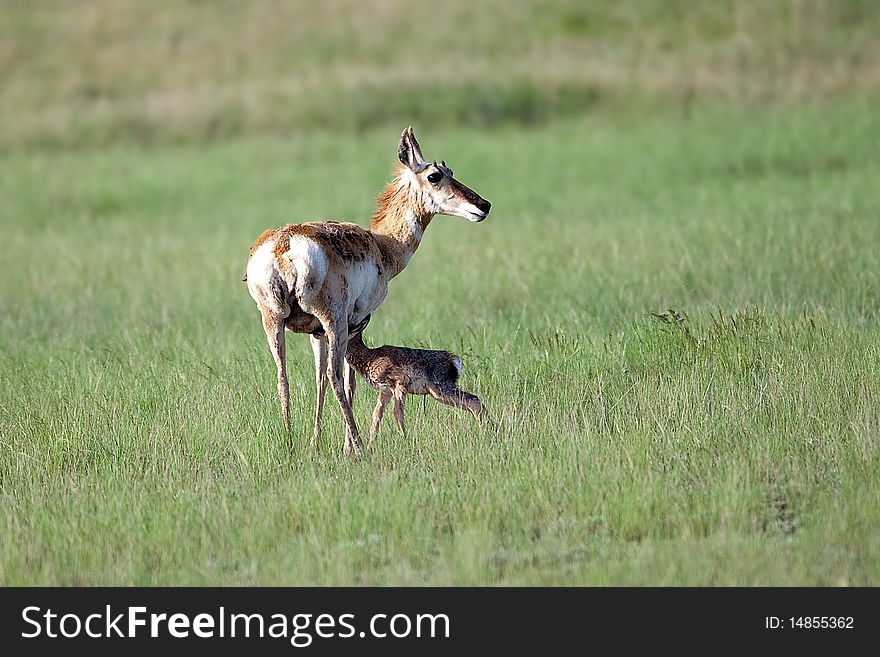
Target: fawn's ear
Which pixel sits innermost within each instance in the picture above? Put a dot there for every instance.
(360, 326)
(408, 151)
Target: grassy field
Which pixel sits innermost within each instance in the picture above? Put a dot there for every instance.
(672, 312)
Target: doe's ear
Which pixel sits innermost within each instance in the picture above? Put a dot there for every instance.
(408, 151)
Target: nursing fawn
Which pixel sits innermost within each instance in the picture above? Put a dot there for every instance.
(399, 371)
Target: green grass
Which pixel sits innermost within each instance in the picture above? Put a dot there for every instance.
(672, 312)
(156, 72)
(672, 315)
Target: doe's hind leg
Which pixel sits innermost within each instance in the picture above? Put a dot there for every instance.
(319, 349)
(273, 325)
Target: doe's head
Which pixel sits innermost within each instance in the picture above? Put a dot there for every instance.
(440, 192)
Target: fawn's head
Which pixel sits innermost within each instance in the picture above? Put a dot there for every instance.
(356, 332)
(439, 191)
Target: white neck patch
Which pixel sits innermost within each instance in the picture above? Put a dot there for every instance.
(414, 225)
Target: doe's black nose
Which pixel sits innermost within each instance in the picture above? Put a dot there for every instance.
(484, 205)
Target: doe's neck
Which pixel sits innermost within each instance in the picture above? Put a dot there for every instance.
(399, 222)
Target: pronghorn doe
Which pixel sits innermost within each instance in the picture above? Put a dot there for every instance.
(322, 277)
(399, 371)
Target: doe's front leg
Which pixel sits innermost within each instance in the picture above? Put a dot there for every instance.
(350, 383)
(337, 340)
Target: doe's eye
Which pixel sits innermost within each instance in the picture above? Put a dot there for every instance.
(435, 177)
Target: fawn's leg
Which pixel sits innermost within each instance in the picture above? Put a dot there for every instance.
(399, 394)
(381, 403)
(319, 349)
(453, 396)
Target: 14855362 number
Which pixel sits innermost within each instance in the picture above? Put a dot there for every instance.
(821, 622)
